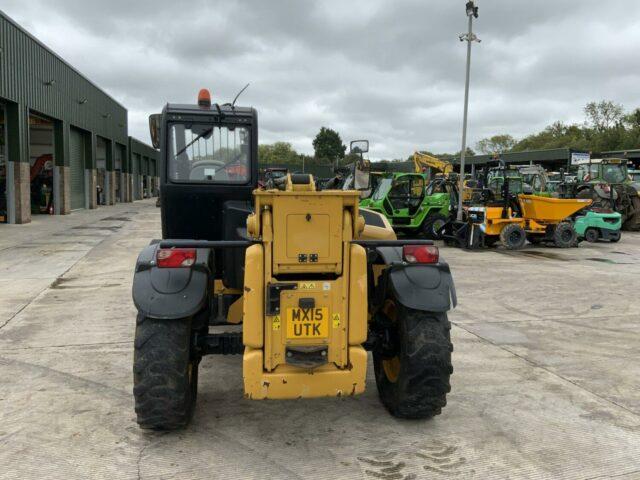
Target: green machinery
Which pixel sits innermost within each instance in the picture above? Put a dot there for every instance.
(593, 226)
(607, 182)
(412, 205)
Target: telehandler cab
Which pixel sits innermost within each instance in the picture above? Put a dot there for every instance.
(301, 282)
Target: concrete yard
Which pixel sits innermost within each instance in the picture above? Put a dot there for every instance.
(546, 381)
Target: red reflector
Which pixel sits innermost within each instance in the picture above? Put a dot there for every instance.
(420, 253)
(175, 257)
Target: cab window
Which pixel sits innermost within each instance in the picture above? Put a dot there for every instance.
(206, 153)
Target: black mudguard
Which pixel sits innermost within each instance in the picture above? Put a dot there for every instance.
(426, 287)
(170, 293)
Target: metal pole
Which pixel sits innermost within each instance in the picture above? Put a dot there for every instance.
(464, 119)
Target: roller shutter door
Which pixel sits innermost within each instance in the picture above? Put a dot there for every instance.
(119, 155)
(136, 176)
(76, 164)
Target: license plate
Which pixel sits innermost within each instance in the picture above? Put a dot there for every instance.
(308, 322)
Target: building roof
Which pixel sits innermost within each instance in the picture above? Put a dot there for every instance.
(537, 156)
(54, 54)
(631, 154)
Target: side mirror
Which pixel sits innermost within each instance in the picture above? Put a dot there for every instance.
(362, 177)
(154, 129)
(359, 146)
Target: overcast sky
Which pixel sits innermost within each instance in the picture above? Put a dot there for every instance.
(389, 71)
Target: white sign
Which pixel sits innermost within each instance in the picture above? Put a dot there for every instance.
(578, 158)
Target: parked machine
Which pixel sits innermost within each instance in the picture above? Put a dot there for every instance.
(424, 163)
(413, 206)
(511, 217)
(593, 226)
(311, 280)
(606, 181)
(272, 174)
(535, 177)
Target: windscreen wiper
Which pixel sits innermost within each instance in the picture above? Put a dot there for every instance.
(206, 132)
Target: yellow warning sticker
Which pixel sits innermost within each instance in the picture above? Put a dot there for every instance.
(307, 286)
(276, 322)
(335, 319)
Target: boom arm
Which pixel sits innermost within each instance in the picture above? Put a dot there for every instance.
(422, 160)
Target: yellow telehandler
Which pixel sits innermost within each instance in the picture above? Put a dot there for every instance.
(300, 282)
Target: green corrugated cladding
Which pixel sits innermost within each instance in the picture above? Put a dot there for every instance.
(33, 78)
(146, 152)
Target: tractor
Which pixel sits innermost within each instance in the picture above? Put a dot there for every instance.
(300, 283)
(606, 181)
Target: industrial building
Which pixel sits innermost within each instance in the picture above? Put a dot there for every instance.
(64, 142)
(551, 159)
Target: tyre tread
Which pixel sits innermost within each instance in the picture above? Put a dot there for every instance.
(422, 386)
(164, 396)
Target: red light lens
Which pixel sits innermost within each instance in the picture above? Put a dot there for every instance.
(420, 253)
(204, 98)
(175, 257)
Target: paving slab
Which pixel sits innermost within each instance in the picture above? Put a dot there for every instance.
(545, 382)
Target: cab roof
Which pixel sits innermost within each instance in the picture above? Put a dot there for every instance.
(226, 109)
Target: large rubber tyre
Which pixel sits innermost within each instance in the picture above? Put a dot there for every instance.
(513, 237)
(615, 238)
(633, 222)
(415, 381)
(564, 235)
(432, 226)
(165, 376)
(591, 235)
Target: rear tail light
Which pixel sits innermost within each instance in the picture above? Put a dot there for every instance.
(175, 257)
(420, 253)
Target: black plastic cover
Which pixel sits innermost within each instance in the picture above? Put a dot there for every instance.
(426, 287)
(169, 293)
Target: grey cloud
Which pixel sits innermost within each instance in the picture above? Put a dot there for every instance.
(392, 71)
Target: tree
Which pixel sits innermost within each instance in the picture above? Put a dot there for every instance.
(556, 135)
(603, 115)
(328, 146)
(280, 153)
(496, 145)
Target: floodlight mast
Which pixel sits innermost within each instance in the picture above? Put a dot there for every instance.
(472, 12)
